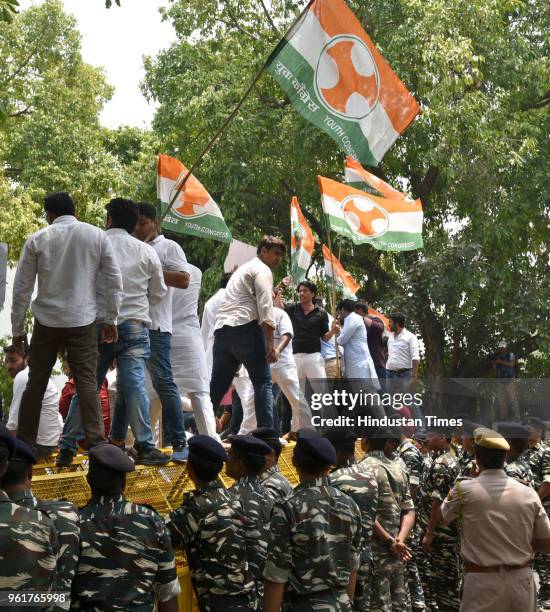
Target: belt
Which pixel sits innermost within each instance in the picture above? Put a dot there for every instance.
(473, 568)
(401, 371)
(294, 597)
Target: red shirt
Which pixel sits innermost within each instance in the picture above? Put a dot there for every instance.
(67, 394)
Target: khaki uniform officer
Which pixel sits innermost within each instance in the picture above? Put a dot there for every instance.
(502, 524)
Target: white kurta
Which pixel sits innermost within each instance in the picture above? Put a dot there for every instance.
(208, 326)
(357, 360)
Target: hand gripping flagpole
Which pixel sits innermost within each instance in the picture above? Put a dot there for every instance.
(230, 117)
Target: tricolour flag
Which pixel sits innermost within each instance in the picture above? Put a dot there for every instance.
(302, 242)
(388, 225)
(194, 211)
(337, 79)
(344, 280)
(358, 177)
(384, 319)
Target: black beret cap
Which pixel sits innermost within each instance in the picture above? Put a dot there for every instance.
(469, 427)
(420, 435)
(534, 422)
(23, 453)
(206, 448)
(267, 434)
(513, 430)
(341, 437)
(319, 449)
(250, 445)
(111, 457)
(7, 440)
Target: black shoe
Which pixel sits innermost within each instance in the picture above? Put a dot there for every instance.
(64, 458)
(180, 453)
(152, 457)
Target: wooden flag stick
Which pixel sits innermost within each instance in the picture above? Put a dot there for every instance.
(229, 118)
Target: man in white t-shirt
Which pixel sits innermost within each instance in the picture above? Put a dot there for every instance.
(51, 423)
(176, 276)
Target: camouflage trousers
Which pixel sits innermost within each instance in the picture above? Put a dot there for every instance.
(388, 587)
(223, 603)
(444, 574)
(322, 601)
(361, 599)
(413, 574)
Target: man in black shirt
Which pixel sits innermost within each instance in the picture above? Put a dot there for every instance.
(310, 324)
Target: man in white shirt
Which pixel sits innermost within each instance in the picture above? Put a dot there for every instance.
(65, 258)
(143, 286)
(403, 354)
(244, 329)
(176, 275)
(51, 423)
(208, 323)
(188, 355)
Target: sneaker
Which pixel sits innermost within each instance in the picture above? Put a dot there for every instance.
(180, 453)
(64, 458)
(152, 457)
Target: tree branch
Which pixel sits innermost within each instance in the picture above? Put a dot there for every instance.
(269, 19)
(541, 103)
(233, 24)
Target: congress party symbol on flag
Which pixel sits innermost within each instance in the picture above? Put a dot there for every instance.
(344, 280)
(358, 177)
(194, 211)
(337, 79)
(387, 225)
(302, 242)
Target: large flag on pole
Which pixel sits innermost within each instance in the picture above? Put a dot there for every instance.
(387, 225)
(194, 211)
(343, 279)
(302, 242)
(337, 79)
(358, 177)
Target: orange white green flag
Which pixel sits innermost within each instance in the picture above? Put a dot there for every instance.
(302, 242)
(337, 79)
(344, 280)
(387, 225)
(358, 177)
(194, 211)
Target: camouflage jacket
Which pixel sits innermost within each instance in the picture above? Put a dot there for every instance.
(315, 539)
(126, 558)
(28, 548)
(66, 520)
(394, 496)
(538, 457)
(520, 469)
(439, 481)
(361, 485)
(209, 524)
(276, 484)
(465, 463)
(427, 462)
(412, 458)
(257, 504)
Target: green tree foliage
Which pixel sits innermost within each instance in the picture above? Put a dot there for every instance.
(477, 156)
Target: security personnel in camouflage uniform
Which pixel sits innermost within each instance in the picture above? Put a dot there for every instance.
(517, 462)
(361, 485)
(246, 461)
(315, 546)
(126, 559)
(16, 482)
(414, 462)
(28, 542)
(440, 542)
(272, 479)
(394, 521)
(466, 457)
(538, 456)
(209, 524)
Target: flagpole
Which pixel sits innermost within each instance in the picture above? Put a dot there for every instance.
(230, 117)
(333, 295)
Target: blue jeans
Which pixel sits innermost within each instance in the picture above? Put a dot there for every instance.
(242, 344)
(130, 351)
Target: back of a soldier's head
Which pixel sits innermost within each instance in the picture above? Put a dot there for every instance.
(313, 456)
(107, 470)
(7, 448)
(247, 456)
(206, 458)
